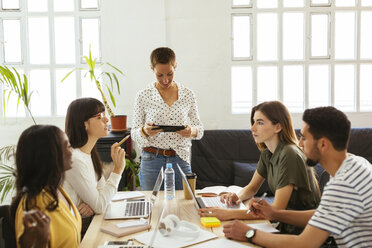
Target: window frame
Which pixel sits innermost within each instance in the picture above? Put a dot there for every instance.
(307, 10)
(22, 13)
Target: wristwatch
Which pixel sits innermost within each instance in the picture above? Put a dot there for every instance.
(250, 234)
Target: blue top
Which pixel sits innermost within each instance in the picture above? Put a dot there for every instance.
(169, 165)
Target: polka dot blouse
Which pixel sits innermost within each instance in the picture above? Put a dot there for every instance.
(150, 107)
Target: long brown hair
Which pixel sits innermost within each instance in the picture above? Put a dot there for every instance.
(276, 112)
(40, 165)
(78, 112)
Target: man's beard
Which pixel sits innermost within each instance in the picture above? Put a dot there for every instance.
(315, 153)
(311, 162)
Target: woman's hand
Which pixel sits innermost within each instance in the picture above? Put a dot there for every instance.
(85, 210)
(188, 132)
(36, 229)
(118, 157)
(262, 209)
(220, 213)
(148, 129)
(230, 199)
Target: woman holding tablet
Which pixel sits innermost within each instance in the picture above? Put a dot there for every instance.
(168, 103)
(282, 163)
(85, 124)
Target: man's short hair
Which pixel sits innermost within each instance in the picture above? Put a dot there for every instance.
(328, 122)
(163, 55)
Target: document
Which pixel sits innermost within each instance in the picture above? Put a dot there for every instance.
(266, 227)
(220, 243)
(175, 240)
(124, 195)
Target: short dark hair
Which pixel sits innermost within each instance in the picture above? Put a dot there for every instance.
(78, 112)
(40, 165)
(328, 122)
(163, 55)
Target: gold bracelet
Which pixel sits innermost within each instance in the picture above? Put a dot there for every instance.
(143, 132)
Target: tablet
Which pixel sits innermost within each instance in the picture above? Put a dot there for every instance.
(166, 128)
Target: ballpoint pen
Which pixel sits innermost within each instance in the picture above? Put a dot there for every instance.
(259, 200)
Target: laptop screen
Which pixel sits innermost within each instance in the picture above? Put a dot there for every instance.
(189, 187)
(157, 185)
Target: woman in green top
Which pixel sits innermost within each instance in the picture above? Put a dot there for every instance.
(282, 163)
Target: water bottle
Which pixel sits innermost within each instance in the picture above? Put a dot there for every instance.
(169, 186)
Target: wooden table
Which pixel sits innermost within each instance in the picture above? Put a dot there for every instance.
(185, 210)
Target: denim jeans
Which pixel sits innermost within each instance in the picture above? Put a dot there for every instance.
(150, 167)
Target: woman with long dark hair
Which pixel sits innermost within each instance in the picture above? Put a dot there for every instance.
(85, 124)
(43, 155)
(282, 163)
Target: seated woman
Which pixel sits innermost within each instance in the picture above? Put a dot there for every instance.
(85, 124)
(282, 163)
(42, 157)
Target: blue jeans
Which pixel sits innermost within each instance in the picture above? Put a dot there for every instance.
(150, 167)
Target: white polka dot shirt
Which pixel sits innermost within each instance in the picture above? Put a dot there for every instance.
(150, 107)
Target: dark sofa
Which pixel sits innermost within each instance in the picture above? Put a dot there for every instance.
(229, 157)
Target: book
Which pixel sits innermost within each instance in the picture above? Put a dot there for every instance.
(219, 190)
(114, 230)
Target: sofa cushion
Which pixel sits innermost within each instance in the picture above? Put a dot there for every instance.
(243, 173)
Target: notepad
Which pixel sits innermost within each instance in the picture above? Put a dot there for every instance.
(266, 227)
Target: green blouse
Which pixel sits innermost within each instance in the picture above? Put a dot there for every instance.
(288, 166)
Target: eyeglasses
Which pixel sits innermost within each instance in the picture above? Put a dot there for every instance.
(99, 115)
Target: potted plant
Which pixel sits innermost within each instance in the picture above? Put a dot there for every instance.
(130, 180)
(118, 122)
(13, 83)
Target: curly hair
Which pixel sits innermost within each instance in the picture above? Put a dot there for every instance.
(163, 55)
(328, 122)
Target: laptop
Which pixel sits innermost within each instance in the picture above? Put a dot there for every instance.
(204, 202)
(130, 209)
(152, 240)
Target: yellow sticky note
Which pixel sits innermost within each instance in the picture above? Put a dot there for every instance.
(210, 221)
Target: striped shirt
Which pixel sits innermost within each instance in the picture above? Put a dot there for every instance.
(345, 209)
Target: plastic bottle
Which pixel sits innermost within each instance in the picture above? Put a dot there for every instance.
(169, 183)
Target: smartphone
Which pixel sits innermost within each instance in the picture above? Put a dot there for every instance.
(118, 242)
(167, 128)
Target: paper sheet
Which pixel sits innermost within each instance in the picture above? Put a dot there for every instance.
(123, 195)
(174, 241)
(220, 243)
(141, 222)
(266, 227)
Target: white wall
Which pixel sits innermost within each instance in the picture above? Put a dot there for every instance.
(198, 31)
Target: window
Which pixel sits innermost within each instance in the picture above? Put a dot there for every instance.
(304, 53)
(45, 39)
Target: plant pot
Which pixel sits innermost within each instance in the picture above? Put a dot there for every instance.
(119, 123)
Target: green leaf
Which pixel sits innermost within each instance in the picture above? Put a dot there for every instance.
(111, 96)
(117, 82)
(68, 74)
(115, 68)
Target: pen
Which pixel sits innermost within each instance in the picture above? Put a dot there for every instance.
(259, 200)
(123, 140)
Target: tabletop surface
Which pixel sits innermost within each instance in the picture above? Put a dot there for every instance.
(185, 211)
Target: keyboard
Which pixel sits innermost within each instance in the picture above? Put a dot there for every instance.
(216, 202)
(137, 208)
(213, 202)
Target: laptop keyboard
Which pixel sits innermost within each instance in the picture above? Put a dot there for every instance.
(213, 202)
(137, 208)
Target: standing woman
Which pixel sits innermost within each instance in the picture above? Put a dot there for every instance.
(282, 163)
(85, 124)
(164, 102)
(42, 157)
